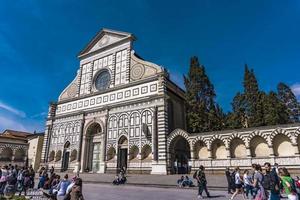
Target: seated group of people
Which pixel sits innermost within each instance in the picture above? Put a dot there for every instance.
(61, 188)
(185, 181)
(120, 178)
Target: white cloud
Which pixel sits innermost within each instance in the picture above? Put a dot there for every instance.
(11, 109)
(296, 89)
(6, 123)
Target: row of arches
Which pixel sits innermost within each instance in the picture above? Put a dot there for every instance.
(237, 148)
(55, 157)
(146, 153)
(8, 154)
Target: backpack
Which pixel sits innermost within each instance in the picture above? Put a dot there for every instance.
(267, 181)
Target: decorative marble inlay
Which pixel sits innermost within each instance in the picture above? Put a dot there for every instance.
(137, 71)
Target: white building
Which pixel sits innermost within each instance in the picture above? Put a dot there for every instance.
(117, 112)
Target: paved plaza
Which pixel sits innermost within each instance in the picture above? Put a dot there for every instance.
(128, 192)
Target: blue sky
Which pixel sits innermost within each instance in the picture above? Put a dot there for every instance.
(39, 41)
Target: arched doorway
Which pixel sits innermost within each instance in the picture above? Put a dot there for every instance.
(180, 155)
(122, 152)
(93, 147)
(66, 157)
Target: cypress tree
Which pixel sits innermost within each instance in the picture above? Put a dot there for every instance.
(202, 112)
(275, 112)
(288, 98)
(253, 99)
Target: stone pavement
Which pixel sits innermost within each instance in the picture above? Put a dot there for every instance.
(93, 191)
(216, 182)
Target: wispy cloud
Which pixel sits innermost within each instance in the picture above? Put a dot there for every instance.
(7, 123)
(42, 114)
(11, 109)
(296, 89)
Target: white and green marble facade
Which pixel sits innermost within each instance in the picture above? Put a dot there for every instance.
(132, 113)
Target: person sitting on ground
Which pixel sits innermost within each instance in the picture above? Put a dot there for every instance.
(122, 178)
(76, 191)
(116, 180)
(63, 185)
(180, 181)
(54, 186)
(42, 180)
(187, 182)
(71, 184)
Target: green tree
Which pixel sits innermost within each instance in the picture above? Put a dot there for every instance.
(288, 98)
(203, 114)
(275, 112)
(253, 99)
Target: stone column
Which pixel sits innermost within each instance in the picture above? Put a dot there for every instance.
(103, 147)
(83, 152)
(296, 149)
(248, 152)
(154, 135)
(79, 168)
(228, 153)
(271, 150)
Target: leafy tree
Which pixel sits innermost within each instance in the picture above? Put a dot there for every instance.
(288, 98)
(203, 114)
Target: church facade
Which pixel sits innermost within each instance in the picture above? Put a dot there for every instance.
(122, 111)
(117, 112)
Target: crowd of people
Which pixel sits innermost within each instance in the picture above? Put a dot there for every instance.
(262, 183)
(15, 180)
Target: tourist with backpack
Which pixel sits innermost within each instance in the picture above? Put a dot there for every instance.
(258, 183)
(288, 184)
(271, 182)
(199, 175)
(238, 184)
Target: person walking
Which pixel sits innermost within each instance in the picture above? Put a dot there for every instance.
(228, 178)
(257, 183)
(248, 184)
(288, 184)
(202, 182)
(238, 184)
(271, 182)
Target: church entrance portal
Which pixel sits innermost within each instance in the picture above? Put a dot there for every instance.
(66, 156)
(93, 147)
(122, 153)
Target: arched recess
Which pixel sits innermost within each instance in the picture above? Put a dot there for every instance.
(122, 152)
(201, 150)
(6, 154)
(73, 155)
(20, 155)
(51, 156)
(58, 156)
(93, 146)
(111, 153)
(259, 147)
(146, 153)
(218, 149)
(133, 153)
(180, 154)
(282, 146)
(238, 148)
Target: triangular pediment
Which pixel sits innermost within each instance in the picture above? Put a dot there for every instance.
(104, 39)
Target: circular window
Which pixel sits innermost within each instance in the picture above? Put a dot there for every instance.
(102, 80)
